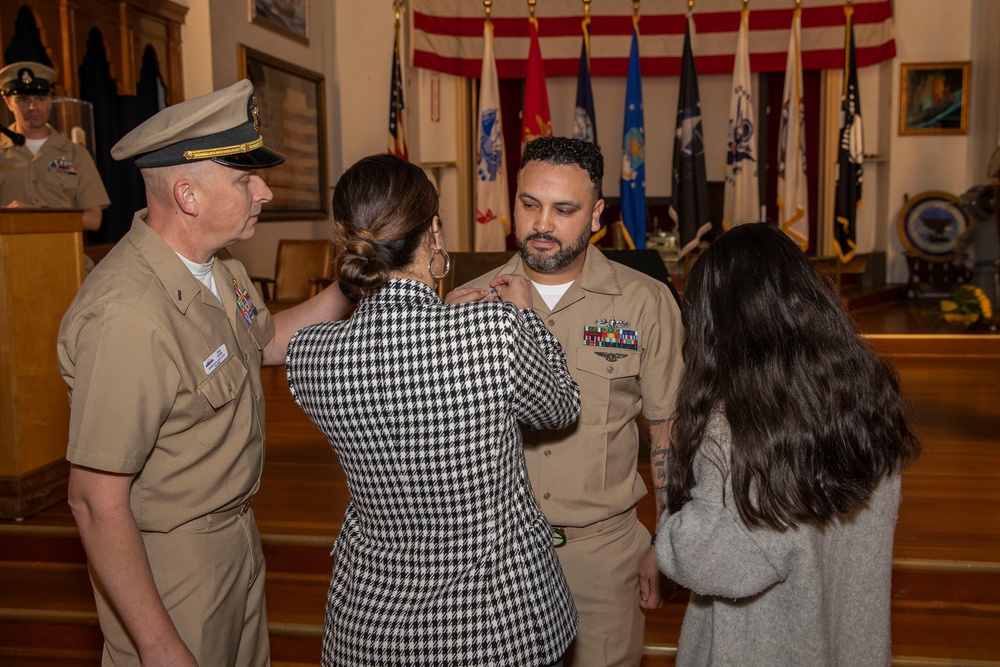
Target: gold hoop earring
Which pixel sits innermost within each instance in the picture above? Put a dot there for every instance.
(447, 263)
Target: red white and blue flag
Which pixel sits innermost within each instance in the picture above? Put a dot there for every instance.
(397, 128)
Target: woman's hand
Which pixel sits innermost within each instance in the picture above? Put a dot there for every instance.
(511, 288)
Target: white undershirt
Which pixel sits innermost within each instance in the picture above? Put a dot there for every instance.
(551, 293)
(34, 145)
(202, 272)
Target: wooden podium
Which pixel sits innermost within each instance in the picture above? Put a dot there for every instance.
(41, 264)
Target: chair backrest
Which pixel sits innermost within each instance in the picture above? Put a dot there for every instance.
(299, 262)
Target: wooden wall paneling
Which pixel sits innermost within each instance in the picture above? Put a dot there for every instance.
(175, 80)
(154, 32)
(48, 18)
(105, 18)
(158, 23)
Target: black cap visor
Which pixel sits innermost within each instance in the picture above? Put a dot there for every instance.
(259, 158)
(36, 87)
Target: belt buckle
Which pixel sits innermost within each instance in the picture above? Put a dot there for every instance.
(558, 537)
(245, 506)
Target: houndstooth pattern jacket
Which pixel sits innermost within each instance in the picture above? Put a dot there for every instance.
(444, 557)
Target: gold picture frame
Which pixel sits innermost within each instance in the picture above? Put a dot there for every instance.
(288, 17)
(293, 122)
(934, 98)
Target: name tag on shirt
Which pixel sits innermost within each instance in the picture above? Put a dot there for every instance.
(215, 359)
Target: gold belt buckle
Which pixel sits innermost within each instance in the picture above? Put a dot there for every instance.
(245, 506)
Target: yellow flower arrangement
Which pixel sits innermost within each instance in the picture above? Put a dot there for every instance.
(967, 305)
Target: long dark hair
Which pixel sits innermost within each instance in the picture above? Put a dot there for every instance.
(816, 416)
(382, 208)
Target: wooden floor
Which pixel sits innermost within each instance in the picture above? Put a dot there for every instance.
(946, 581)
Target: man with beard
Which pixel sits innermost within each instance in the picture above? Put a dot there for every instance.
(621, 331)
(46, 170)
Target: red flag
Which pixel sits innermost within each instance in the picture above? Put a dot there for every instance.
(535, 120)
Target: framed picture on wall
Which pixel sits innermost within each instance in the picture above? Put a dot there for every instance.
(934, 98)
(289, 17)
(293, 122)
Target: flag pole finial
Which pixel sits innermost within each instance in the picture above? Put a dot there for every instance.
(398, 6)
(531, 8)
(690, 4)
(586, 9)
(635, 8)
(487, 5)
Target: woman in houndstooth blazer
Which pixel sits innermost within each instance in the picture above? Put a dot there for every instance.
(444, 557)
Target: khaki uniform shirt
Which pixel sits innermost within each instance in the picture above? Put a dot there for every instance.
(587, 472)
(165, 380)
(61, 175)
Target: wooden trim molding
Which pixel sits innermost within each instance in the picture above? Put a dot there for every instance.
(26, 494)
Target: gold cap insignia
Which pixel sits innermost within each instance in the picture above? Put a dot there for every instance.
(255, 113)
(26, 77)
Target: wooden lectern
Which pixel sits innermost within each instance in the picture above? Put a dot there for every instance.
(41, 264)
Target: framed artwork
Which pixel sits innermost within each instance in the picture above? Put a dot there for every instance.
(934, 98)
(292, 122)
(289, 17)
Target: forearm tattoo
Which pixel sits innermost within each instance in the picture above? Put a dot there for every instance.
(658, 453)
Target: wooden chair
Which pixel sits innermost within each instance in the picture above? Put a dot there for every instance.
(301, 269)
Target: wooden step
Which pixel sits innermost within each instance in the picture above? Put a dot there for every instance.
(949, 611)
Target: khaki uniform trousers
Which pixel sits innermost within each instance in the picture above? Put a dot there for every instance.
(601, 563)
(210, 576)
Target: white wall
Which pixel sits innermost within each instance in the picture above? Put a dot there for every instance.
(351, 43)
(341, 39)
(926, 31)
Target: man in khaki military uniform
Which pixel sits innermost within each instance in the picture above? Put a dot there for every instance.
(162, 350)
(621, 331)
(47, 170)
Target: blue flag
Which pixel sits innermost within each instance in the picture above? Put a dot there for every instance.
(689, 197)
(633, 183)
(584, 118)
(584, 123)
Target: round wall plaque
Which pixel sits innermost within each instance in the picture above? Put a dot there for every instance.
(931, 224)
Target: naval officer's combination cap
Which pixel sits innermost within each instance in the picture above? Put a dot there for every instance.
(223, 126)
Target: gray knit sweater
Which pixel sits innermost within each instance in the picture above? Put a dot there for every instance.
(812, 595)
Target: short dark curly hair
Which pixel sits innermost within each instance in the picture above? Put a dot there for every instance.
(567, 151)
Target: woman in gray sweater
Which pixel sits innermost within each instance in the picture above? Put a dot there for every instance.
(784, 474)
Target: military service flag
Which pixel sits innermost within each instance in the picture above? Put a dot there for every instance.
(633, 181)
(535, 119)
(793, 195)
(849, 156)
(742, 194)
(689, 196)
(492, 202)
